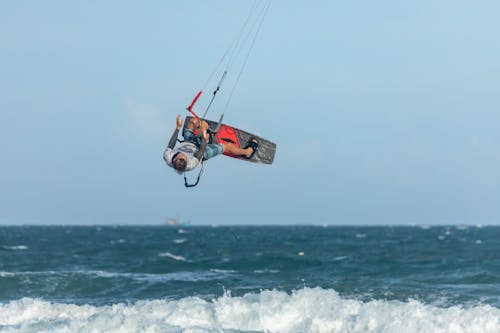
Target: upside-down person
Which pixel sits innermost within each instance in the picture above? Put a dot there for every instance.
(195, 148)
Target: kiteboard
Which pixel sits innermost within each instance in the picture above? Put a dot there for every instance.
(229, 134)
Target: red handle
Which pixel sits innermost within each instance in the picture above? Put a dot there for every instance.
(190, 107)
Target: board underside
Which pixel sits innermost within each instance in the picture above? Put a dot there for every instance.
(228, 134)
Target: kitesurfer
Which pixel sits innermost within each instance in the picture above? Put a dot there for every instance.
(187, 155)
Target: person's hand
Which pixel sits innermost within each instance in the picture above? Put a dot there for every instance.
(206, 135)
(179, 121)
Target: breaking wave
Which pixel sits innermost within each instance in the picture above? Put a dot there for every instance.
(173, 276)
(172, 256)
(15, 247)
(306, 310)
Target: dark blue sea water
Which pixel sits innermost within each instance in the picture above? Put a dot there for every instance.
(249, 279)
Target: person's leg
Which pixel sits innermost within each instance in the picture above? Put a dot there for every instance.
(197, 125)
(192, 127)
(232, 149)
(212, 150)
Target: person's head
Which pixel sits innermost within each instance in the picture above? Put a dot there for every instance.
(179, 162)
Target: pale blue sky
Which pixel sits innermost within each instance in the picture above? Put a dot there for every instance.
(384, 112)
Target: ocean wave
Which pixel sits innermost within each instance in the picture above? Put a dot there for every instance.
(15, 247)
(311, 310)
(264, 271)
(223, 271)
(174, 276)
(150, 277)
(172, 256)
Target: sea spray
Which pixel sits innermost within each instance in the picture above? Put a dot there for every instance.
(313, 310)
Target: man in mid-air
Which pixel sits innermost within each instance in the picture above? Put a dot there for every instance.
(195, 148)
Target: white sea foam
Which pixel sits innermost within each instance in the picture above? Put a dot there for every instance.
(425, 226)
(180, 240)
(119, 241)
(151, 277)
(307, 310)
(265, 271)
(222, 271)
(15, 247)
(174, 276)
(172, 256)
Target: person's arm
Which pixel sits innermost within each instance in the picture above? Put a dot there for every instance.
(201, 151)
(173, 139)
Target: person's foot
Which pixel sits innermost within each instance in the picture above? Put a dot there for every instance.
(251, 147)
(249, 152)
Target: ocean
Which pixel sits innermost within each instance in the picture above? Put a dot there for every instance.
(250, 279)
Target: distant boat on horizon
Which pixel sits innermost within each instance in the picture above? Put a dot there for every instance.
(177, 222)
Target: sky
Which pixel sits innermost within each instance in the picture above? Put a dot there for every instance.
(383, 112)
